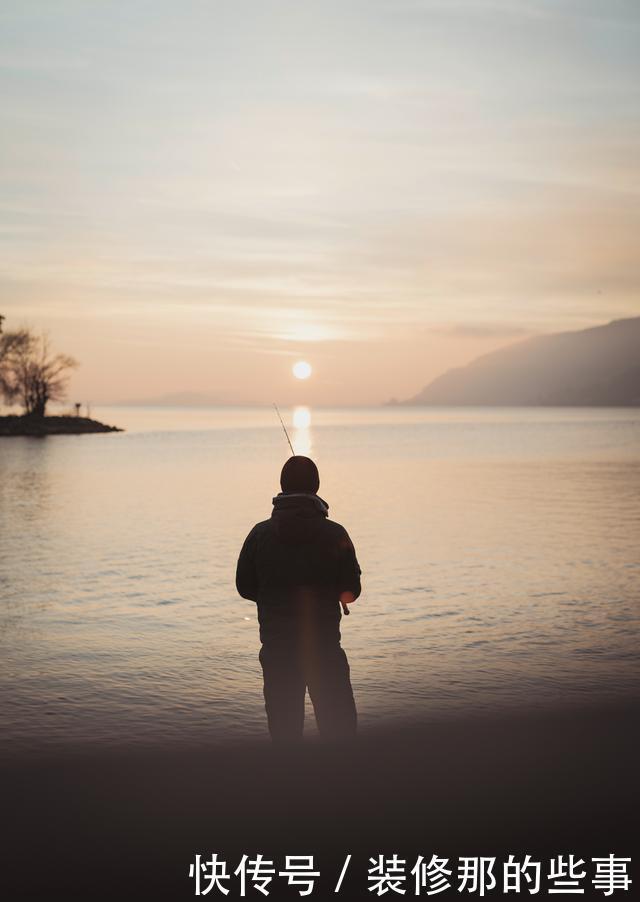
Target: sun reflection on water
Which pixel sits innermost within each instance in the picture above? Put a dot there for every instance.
(302, 436)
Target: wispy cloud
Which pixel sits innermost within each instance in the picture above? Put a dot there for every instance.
(452, 171)
(482, 330)
(42, 62)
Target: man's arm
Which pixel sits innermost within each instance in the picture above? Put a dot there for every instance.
(246, 574)
(349, 571)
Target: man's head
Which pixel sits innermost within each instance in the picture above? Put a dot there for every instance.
(300, 474)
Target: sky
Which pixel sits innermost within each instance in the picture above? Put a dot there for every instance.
(195, 195)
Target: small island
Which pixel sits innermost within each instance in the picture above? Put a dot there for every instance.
(54, 425)
(32, 375)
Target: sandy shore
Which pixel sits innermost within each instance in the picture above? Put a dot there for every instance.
(126, 823)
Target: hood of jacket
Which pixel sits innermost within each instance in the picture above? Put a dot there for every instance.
(296, 516)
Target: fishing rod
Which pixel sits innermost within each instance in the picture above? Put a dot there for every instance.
(345, 609)
(285, 428)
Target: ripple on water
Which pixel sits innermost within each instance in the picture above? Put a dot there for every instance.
(498, 579)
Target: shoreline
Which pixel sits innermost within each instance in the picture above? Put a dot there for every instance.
(15, 425)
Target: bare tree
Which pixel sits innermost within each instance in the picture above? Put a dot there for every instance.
(12, 346)
(39, 375)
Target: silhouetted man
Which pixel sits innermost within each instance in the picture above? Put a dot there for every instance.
(299, 567)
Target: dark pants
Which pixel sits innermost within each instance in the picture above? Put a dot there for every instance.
(288, 671)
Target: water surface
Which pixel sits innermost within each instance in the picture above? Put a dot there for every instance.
(498, 549)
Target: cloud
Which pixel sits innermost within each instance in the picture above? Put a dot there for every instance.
(41, 63)
(456, 168)
(482, 330)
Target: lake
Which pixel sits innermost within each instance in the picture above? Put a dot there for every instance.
(499, 550)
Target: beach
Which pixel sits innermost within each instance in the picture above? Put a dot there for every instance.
(125, 823)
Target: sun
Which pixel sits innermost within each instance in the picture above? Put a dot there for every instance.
(301, 369)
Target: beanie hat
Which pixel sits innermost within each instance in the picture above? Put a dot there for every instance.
(300, 474)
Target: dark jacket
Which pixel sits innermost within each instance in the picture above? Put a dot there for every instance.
(295, 566)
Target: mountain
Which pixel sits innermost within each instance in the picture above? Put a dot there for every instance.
(178, 399)
(593, 367)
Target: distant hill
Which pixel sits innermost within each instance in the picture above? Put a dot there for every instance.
(177, 399)
(592, 367)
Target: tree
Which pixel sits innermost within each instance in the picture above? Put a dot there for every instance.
(41, 376)
(12, 345)
(30, 371)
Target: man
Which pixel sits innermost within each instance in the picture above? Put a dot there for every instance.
(300, 567)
